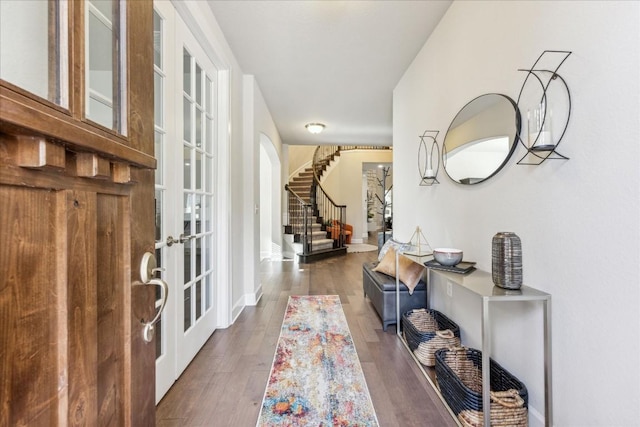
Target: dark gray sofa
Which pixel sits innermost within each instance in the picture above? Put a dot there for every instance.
(381, 290)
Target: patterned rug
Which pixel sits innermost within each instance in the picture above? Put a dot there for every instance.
(316, 378)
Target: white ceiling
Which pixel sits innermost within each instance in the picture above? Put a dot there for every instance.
(334, 62)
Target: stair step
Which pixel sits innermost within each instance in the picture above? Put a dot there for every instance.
(314, 227)
(320, 244)
(318, 234)
(321, 254)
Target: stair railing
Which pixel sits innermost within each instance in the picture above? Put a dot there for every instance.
(332, 214)
(300, 219)
(321, 205)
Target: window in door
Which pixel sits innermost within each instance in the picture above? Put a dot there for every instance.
(105, 79)
(34, 48)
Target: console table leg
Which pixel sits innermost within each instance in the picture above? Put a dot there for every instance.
(486, 371)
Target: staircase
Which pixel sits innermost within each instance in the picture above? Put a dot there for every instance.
(315, 223)
(314, 237)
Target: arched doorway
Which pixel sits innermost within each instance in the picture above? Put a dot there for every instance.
(270, 201)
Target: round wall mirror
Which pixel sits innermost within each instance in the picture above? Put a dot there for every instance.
(481, 138)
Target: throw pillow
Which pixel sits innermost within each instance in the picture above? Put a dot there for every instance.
(391, 243)
(410, 272)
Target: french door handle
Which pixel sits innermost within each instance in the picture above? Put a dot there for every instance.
(172, 240)
(148, 266)
(186, 238)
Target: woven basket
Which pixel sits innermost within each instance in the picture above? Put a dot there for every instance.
(459, 378)
(427, 331)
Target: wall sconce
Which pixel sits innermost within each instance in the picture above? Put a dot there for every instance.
(314, 128)
(541, 143)
(429, 158)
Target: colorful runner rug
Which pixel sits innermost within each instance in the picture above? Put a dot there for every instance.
(316, 378)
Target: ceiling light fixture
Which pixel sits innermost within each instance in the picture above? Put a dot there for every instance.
(314, 127)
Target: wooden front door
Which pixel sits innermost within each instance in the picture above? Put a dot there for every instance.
(76, 214)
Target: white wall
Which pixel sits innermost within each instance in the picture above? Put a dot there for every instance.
(567, 213)
(258, 124)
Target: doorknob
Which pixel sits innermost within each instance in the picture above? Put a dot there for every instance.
(148, 266)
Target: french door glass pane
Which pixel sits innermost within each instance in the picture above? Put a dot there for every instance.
(198, 84)
(186, 65)
(157, 40)
(34, 48)
(198, 256)
(187, 261)
(187, 308)
(186, 113)
(187, 167)
(198, 170)
(158, 95)
(198, 300)
(187, 214)
(198, 127)
(207, 293)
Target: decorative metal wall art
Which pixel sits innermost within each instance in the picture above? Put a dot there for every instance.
(547, 115)
(428, 157)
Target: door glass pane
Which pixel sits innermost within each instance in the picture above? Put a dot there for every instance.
(207, 293)
(208, 184)
(186, 124)
(198, 127)
(105, 60)
(198, 84)
(34, 46)
(198, 213)
(198, 256)
(187, 261)
(198, 170)
(198, 300)
(157, 100)
(187, 214)
(207, 253)
(157, 40)
(187, 167)
(186, 70)
(208, 203)
(187, 308)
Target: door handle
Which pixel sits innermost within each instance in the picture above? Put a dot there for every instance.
(148, 266)
(149, 327)
(186, 238)
(172, 240)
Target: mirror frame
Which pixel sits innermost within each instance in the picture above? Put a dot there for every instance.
(512, 148)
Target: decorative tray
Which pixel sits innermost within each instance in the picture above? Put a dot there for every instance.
(463, 267)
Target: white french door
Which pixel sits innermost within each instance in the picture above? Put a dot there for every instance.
(185, 93)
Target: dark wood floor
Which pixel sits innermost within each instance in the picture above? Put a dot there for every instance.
(224, 384)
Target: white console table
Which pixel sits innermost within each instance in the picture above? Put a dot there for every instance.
(481, 284)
